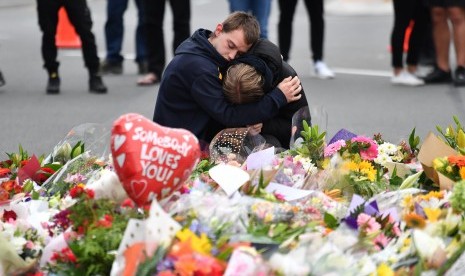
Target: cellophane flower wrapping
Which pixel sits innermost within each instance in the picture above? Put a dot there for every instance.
(22, 237)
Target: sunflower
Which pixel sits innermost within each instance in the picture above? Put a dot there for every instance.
(414, 220)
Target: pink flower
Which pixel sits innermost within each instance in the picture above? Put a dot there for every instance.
(334, 147)
(362, 219)
(381, 241)
(279, 196)
(371, 152)
(29, 245)
(368, 223)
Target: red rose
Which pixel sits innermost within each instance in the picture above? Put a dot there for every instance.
(43, 174)
(4, 172)
(7, 215)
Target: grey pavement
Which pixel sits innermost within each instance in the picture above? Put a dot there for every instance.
(360, 98)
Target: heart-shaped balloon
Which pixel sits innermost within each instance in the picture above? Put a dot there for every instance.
(151, 161)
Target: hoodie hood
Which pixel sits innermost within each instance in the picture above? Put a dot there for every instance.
(198, 44)
(271, 54)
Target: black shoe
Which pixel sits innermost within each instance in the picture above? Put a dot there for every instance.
(438, 76)
(143, 67)
(459, 76)
(53, 85)
(109, 67)
(2, 80)
(96, 85)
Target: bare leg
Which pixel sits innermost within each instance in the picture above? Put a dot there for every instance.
(457, 17)
(441, 36)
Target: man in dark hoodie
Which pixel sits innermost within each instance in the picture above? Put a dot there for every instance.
(191, 93)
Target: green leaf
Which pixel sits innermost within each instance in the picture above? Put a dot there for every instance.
(330, 221)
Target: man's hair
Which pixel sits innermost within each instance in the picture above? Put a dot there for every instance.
(244, 21)
(243, 84)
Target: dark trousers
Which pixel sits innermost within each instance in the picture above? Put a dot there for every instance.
(154, 15)
(404, 12)
(114, 30)
(315, 11)
(79, 15)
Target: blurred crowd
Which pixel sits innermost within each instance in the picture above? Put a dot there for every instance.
(421, 35)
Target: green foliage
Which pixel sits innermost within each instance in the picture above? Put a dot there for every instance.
(93, 250)
(330, 221)
(96, 243)
(202, 167)
(454, 137)
(313, 144)
(457, 198)
(414, 142)
(395, 180)
(277, 232)
(256, 187)
(149, 266)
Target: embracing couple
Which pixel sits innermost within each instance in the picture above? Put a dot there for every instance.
(229, 78)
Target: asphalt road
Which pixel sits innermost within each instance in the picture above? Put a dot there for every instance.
(360, 98)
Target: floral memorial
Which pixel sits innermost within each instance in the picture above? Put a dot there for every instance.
(143, 199)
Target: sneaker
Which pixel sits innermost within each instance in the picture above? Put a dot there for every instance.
(459, 76)
(438, 76)
(109, 67)
(406, 78)
(322, 71)
(96, 85)
(53, 85)
(2, 80)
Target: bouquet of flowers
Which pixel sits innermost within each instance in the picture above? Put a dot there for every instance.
(452, 167)
(21, 244)
(97, 227)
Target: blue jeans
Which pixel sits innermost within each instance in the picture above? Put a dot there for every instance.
(114, 29)
(260, 9)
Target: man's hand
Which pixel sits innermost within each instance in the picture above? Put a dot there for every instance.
(291, 88)
(255, 129)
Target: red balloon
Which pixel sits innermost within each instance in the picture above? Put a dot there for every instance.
(151, 161)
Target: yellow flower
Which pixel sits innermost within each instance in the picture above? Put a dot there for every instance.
(351, 166)
(436, 194)
(438, 163)
(408, 202)
(462, 172)
(199, 244)
(384, 270)
(268, 218)
(406, 244)
(414, 220)
(365, 165)
(432, 213)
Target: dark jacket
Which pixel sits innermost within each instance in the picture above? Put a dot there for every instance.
(279, 126)
(191, 93)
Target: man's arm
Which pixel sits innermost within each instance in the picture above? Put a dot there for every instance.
(208, 93)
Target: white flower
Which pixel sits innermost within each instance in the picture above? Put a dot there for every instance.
(426, 245)
(287, 171)
(387, 148)
(382, 159)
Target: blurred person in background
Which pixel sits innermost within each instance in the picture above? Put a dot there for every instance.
(261, 9)
(443, 11)
(2, 79)
(114, 33)
(79, 16)
(155, 40)
(315, 11)
(406, 11)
